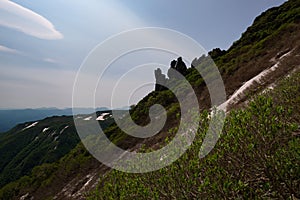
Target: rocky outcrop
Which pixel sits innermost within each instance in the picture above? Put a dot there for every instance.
(179, 66)
(161, 79)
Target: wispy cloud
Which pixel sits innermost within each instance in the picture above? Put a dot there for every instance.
(17, 17)
(8, 50)
(51, 60)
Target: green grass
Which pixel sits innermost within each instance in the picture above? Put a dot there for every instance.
(258, 156)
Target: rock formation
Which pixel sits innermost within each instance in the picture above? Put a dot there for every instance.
(161, 79)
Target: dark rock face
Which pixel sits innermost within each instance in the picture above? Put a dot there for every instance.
(176, 66)
(179, 66)
(161, 80)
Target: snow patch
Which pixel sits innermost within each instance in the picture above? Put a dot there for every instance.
(24, 196)
(88, 182)
(101, 117)
(63, 129)
(53, 133)
(30, 126)
(45, 129)
(88, 118)
(235, 97)
(82, 190)
(268, 88)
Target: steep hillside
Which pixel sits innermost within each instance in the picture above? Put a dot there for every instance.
(34, 143)
(258, 153)
(258, 156)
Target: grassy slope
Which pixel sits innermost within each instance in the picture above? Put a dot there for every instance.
(225, 171)
(257, 156)
(23, 149)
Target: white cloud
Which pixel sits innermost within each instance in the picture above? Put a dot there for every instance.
(17, 17)
(8, 50)
(50, 60)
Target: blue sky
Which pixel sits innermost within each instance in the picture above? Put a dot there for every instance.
(43, 43)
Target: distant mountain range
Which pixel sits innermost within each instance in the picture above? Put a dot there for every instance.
(11, 117)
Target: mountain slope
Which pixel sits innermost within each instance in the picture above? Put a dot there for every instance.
(34, 143)
(256, 157)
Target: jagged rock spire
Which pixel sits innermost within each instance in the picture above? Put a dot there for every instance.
(161, 79)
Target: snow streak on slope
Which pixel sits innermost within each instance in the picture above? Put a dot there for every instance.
(31, 125)
(63, 129)
(101, 117)
(88, 118)
(45, 129)
(257, 79)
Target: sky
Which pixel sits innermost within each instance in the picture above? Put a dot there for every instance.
(43, 44)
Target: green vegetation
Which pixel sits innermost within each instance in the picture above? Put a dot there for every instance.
(274, 32)
(258, 156)
(22, 148)
(49, 174)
